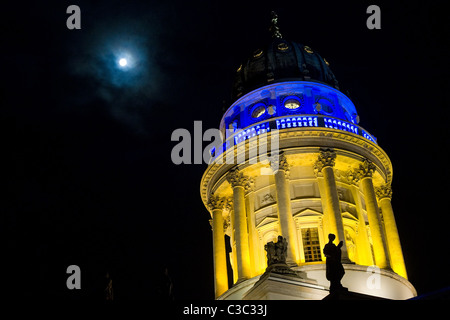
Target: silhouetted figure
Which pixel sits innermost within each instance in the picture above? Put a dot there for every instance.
(165, 286)
(109, 292)
(335, 270)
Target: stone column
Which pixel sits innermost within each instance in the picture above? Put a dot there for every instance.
(384, 194)
(363, 243)
(364, 174)
(251, 223)
(287, 224)
(238, 181)
(230, 221)
(216, 205)
(330, 199)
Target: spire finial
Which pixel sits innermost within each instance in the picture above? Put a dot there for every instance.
(274, 27)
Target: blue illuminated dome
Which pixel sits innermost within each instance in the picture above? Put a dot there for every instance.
(290, 104)
(284, 85)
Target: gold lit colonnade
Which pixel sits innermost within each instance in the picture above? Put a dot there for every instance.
(321, 181)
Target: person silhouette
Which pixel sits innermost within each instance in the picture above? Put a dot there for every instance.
(109, 292)
(334, 269)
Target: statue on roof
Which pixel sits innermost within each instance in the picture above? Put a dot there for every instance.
(274, 29)
(334, 269)
(276, 252)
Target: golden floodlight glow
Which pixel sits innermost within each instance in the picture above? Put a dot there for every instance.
(299, 166)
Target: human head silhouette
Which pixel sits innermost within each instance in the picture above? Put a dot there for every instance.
(331, 237)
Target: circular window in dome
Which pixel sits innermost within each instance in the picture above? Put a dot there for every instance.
(324, 105)
(258, 110)
(282, 46)
(308, 49)
(292, 103)
(258, 53)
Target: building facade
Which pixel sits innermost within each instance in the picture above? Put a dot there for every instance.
(297, 163)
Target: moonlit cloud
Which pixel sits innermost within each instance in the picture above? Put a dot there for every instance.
(127, 89)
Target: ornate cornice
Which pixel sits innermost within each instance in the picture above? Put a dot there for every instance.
(365, 170)
(327, 158)
(384, 191)
(236, 178)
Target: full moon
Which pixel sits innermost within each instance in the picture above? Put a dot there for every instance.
(123, 62)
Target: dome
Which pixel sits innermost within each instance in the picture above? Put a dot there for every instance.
(281, 60)
(285, 84)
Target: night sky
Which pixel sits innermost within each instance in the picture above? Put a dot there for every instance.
(88, 177)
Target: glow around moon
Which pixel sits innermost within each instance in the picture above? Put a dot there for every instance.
(123, 62)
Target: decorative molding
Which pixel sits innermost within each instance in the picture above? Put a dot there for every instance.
(249, 186)
(348, 177)
(226, 223)
(365, 170)
(267, 198)
(236, 178)
(384, 191)
(228, 204)
(327, 158)
(351, 177)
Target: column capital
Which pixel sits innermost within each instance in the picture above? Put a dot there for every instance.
(215, 202)
(327, 158)
(279, 162)
(236, 178)
(365, 170)
(219, 203)
(384, 191)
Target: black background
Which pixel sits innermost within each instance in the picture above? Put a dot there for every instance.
(88, 178)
